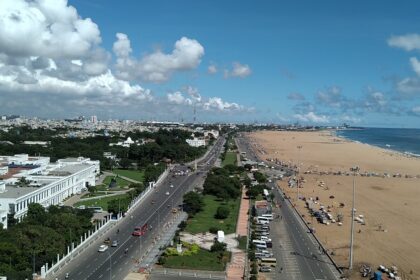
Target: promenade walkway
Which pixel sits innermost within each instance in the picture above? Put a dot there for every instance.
(235, 269)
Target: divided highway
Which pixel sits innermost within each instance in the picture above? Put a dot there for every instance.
(154, 210)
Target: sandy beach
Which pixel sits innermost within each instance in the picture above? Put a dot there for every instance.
(387, 195)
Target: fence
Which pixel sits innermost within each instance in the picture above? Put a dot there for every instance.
(190, 273)
(91, 236)
(75, 249)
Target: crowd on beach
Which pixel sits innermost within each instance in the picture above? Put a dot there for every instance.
(314, 170)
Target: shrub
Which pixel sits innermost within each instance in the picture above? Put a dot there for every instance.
(218, 247)
(161, 260)
(194, 248)
(213, 230)
(222, 212)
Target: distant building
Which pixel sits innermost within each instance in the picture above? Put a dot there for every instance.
(94, 119)
(127, 143)
(40, 143)
(109, 155)
(25, 180)
(213, 133)
(196, 142)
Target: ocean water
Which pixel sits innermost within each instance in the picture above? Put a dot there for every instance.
(398, 139)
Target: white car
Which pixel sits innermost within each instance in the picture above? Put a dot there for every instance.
(171, 186)
(167, 193)
(103, 248)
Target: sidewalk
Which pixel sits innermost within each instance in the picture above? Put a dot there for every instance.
(235, 269)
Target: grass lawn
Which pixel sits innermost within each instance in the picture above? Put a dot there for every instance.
(132, 174)
(205, 219)
(242, 242)
(101, 202)
(120, 182)
(230, 158)
(203, 260)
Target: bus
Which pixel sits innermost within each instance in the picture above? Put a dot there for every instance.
(268, 262)
(260, 244)
(263, 220)
(269, 216)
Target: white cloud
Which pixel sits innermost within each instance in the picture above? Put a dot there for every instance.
(193, 93)
(407, 42)
(238, 71)
(157, 66)
(206, 104)
(212, 69)
(415, 64)
(220, 105)
(52, 64)
(47, 28)
(416, 110)
(178, 98)
(311, 117)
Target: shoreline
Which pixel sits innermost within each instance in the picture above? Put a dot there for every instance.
(405, 153)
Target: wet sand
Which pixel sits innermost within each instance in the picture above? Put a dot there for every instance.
(390, 205)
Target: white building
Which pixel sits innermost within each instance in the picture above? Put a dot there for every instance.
(45, 183)
(214, 133)
(127, 143)
(196, 142)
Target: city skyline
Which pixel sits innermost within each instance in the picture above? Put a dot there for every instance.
(312, 63)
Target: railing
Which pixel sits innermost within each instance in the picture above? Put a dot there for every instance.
(76, 248)
(91, 236)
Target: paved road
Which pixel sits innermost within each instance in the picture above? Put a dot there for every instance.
(154, 210)
(295, 249)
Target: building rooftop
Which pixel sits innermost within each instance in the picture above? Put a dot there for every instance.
(68, 169)
(15, 192)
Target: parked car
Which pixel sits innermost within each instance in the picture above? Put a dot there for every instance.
(265, 269)
(114, 243)
(103, 248)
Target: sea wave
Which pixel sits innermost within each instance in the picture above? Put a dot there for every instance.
(411, 154)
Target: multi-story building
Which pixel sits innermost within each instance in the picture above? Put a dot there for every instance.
(25, 180)
(196, 142)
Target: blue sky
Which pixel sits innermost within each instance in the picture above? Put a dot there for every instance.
(312, 62)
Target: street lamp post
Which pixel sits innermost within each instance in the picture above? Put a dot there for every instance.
(354, 169)
(298, 170)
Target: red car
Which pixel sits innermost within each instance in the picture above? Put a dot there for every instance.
(137, 233)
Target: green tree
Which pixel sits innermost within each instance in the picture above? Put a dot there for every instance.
(36, 214)
(218, 247)
(222, 212)
(193, 203)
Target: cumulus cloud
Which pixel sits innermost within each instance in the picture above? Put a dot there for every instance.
(212, 69)
(375, 101)
(312, 117)
(295, 96)
(238, 71)
(47, 28)
(415, 111)
(406, 42)
(415, 64)
(178, 98)
(193, 93)
(332, 97)
(52, 64)
(157, 66)
(190, 97)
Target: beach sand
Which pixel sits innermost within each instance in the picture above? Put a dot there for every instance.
(390, 206)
